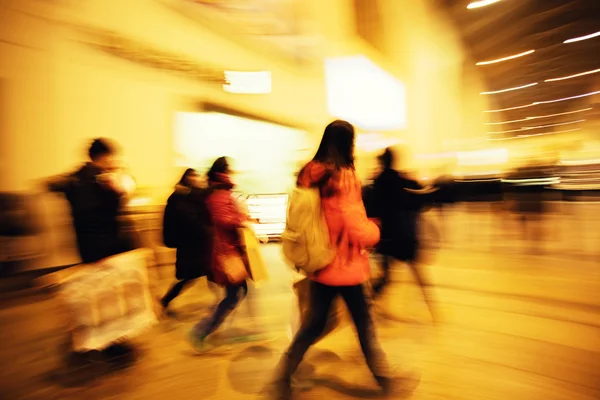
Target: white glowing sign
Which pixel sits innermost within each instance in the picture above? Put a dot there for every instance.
(361, 92)
(241, 82)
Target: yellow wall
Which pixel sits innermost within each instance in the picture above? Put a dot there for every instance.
(57, 92)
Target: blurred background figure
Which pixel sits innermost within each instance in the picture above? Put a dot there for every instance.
(187, 227)
(530, 204)
(396, 200)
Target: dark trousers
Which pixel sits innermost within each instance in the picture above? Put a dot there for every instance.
(176, 291)
(321, 300)
(235, 294)
(384, 280)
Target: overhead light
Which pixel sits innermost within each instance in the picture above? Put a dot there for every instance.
(352, 82)
(566, 98)
(510, 89)
(481, 3)
(244, 82)
(506, 122)
(586, 37)
(505, 58)
(564, 113)
(573, 76)
(508, 109)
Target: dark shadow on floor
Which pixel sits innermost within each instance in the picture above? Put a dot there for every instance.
(77, 369)
(403, 388)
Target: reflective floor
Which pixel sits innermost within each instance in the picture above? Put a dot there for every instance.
(513, 326)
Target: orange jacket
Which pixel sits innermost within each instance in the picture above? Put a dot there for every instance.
(350, 230)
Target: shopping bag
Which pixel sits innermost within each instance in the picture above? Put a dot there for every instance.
(336, 312)
(233, 267)
(109, 301)
(256, 263)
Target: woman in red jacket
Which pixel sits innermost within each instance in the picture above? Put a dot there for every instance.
(332, 170)
(227, 218)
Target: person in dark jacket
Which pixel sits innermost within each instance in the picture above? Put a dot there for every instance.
(397, 200)
(96, 193)
(188, 221)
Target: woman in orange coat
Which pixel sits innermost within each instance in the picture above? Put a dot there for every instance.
(332, 170)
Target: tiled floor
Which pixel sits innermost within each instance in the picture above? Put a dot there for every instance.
(514, 327)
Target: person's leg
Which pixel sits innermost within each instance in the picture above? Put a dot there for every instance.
(355, 299)
(425, 285)
(380, 284)
(235, 294)
(175, 291)
(321, 297)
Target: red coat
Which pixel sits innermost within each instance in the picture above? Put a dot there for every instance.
(349, 228)
(226, 217)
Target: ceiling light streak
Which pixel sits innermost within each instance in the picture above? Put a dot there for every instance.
(556, 115)
(578, 39)
(573, 76)
(512, 130)
(566, 98)
(548, 126)
(481, 3)
(536, 134)
(508, 109)
(525, 53)
(528, 128)
(545, 102)
(511, 89)
(506, 122)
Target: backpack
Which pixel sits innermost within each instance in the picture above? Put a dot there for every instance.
(306, 242)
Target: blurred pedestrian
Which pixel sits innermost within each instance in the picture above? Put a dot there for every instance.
(229, 262)
(332, 170)
(96, 193)
(397, 200)
(187, 226)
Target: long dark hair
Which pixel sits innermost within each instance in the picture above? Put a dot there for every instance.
(220, 166)
(337, 145)
(184, 178)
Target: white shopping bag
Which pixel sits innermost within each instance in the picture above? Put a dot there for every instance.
(109, 300)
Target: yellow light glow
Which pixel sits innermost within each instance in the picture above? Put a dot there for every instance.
(580, 162)
(578, 39)
(481, 3)
(363, 93)
(559, 114)
(525, 53)
(511, 89)
(566, 98)
(482, 157)
(506, 122)
(573, 76)
(243, 82)
(508, 109)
